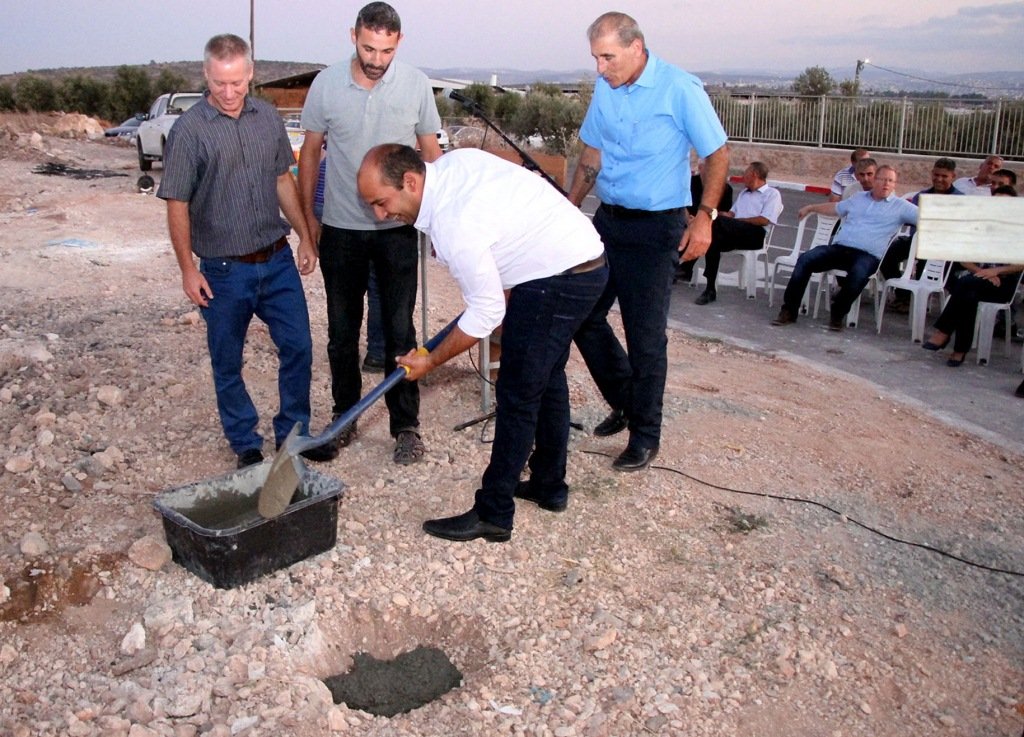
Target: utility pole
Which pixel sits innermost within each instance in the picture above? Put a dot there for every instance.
(252, 39)
(856, 74)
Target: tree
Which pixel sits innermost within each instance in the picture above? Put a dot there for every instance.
(482, 95)
(6, 97)
(814, 81)
(130, 92)
(83, 95)
(545, 111)
(35, 94)
(169, 81)
(849, 88)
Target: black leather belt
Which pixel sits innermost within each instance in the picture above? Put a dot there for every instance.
(586, 266)
(264, 254)
(628, 213)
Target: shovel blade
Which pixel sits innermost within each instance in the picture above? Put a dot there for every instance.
(282, 480)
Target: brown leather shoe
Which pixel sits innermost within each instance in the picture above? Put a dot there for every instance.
(785, 317)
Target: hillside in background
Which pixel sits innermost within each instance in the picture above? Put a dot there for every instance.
(873, 79)
(190, 70)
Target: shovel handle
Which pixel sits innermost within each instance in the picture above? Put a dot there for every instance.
(352, 413)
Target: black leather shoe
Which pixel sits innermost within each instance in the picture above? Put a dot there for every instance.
(373, 365)
(249, 457)
(708, 296)
(466, 527)
(615, 422)
(1020, 391)
(321, 453)
(634, 458)
(526, 492)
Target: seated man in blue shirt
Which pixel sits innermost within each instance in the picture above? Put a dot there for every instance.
(870, 220)
(743, 228)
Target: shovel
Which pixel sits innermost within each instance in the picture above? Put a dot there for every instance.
(286, 470)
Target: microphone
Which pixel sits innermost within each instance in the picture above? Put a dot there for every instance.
(460, 98)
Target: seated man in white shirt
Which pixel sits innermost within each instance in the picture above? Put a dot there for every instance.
(744, 227)
(978, 185)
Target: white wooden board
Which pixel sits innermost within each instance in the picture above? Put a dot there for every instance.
(978, 229)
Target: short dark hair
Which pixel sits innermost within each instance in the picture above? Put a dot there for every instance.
(945, 163)
(623, 26)
(394, 160)
(226, 46)
(1008, 173)
(758, 168)
(1004, 189)
(857, 154)
(379, 17)
(864, 163)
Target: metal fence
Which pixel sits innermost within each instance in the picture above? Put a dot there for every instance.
(903, 125)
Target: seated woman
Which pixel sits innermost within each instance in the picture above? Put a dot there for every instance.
(979, 283)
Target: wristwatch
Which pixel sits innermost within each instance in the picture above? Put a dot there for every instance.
(711, 211)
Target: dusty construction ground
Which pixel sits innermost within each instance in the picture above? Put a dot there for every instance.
(654, 605)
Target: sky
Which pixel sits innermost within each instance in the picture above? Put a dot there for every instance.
(777, 36)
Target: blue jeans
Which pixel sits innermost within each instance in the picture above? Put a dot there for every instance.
(642, 255)
(532, 394)
(345, 258)
(859, 266)
(272, 292)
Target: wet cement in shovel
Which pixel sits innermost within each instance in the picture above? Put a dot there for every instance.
(389, 687)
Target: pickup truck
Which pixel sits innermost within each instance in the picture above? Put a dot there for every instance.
(157, 124)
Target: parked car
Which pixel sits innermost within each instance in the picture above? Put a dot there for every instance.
(153, 131)
(127, 130)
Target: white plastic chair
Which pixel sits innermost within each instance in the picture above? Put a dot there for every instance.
(985, 323)
(748, 274)
(931, 282)
(830, 277)
(822, 233)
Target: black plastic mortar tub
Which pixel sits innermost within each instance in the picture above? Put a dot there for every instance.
(215, 532)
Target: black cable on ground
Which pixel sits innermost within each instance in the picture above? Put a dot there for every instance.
(848, 518)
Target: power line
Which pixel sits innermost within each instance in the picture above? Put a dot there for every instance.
(935, 81)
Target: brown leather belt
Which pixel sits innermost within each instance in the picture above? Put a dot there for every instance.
(586, 266)
(628, 213)
(264, 254)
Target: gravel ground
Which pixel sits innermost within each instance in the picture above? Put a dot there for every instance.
(658, 603)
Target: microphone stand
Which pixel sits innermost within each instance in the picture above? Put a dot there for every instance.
(472, 107)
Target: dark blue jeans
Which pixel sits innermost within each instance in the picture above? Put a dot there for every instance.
(374, 327)
(273, 293)
(858, 265)
(532, 394)
(642, 255)
(345, 258)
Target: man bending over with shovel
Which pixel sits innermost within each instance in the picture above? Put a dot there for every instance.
(525, 259)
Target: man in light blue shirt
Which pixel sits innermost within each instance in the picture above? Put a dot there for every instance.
(870, 220)
(643, 120)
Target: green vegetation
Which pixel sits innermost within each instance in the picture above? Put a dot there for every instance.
(131, 90)
(814, 81)
(543, 111)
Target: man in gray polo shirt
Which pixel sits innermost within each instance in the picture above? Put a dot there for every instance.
(359, 103)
